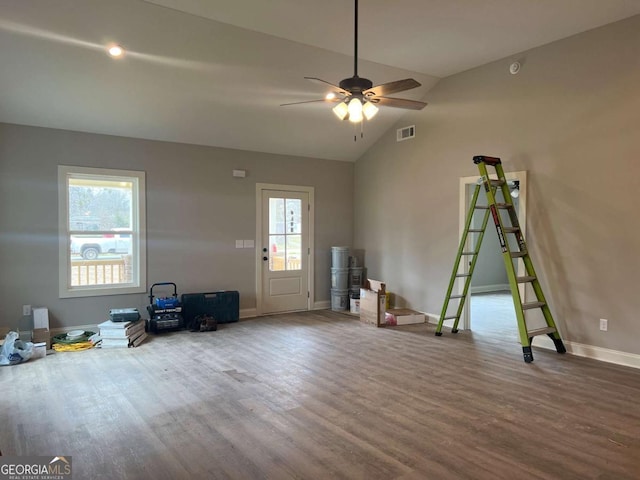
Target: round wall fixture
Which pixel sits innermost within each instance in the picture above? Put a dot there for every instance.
(514, 68)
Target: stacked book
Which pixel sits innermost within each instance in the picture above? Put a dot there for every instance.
(122, 334)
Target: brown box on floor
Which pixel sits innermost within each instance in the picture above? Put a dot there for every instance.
(372, 303)
(403, 316)
(40, 335)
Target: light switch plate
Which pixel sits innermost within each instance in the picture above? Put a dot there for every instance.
(249, 244)
(239, 243)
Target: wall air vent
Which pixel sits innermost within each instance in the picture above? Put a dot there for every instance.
(406, 133)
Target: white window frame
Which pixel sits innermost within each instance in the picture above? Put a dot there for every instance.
(139, 235)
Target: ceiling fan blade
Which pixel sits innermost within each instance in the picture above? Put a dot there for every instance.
(399, 103)
(319, 80)
(393, 87)
(312, 101)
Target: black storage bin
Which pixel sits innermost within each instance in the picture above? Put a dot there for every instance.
(224, 306)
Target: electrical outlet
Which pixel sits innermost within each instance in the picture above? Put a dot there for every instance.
(26, 310)
(604, 324)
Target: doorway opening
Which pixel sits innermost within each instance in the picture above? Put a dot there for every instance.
(489, 304)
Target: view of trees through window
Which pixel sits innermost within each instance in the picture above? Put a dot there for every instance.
(101, 207)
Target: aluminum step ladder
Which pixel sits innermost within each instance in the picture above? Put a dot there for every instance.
(493, 209)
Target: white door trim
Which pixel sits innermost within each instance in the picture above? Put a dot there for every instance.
(464, 199)
(260, 187)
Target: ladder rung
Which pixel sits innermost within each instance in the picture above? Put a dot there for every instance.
(469, 253)
(504, 205)
(497, 183)
(475, 230)
(530, 305)
(463, 275)
(457, 296)
(450, 318)
(518, 254)
(541, 331)
(511, 229)
(526, 278)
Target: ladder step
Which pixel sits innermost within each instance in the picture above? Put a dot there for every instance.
(498, 183)
(450, 318)
(518, 254)
(460, 275)
(511, 229)
(526, 278)
(469, 253)
(530, 305)
(475, 230)
(541, 331)
(504, 205)
(457, 296)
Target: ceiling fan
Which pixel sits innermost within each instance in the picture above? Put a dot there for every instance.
(356, 97)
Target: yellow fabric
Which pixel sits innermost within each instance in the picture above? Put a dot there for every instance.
(72, 347)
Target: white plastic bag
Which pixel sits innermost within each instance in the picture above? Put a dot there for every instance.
(14, 350)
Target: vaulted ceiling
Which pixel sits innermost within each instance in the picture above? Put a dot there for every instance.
(214, 72)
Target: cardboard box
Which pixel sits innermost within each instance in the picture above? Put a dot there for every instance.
(372, 303)
(41, 335)
(404, 316)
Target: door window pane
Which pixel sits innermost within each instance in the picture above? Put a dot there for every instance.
(276, 215)
(294, 252)
(277, 253)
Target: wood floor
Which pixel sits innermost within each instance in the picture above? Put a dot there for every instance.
(317, 395)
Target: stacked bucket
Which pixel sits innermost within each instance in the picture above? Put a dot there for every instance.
(355, 278)
(339, 278)
(346, 278)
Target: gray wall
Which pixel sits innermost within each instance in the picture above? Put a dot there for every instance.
(195, 212)
(571, 118)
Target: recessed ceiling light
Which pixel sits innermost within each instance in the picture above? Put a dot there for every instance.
(115, 51)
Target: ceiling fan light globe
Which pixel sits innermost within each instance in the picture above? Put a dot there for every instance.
(369, 110)
(341, 110)
(355, 110)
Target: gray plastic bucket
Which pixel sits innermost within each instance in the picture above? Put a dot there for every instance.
(339, 299)
(339, 278)
(355, 277)
(340, 257)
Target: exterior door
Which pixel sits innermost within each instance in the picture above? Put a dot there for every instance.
(284, 251)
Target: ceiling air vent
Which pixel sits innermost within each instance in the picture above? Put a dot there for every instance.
(406, 133)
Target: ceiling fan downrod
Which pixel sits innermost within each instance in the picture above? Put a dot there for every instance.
(355, 43)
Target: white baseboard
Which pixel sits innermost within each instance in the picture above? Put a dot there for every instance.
(501, 287)
(593, 352)
(248, 313)
(321, 305)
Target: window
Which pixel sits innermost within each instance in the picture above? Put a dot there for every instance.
(102, 231)
(285, 234)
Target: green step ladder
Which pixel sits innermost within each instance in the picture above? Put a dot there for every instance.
(493, 209)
